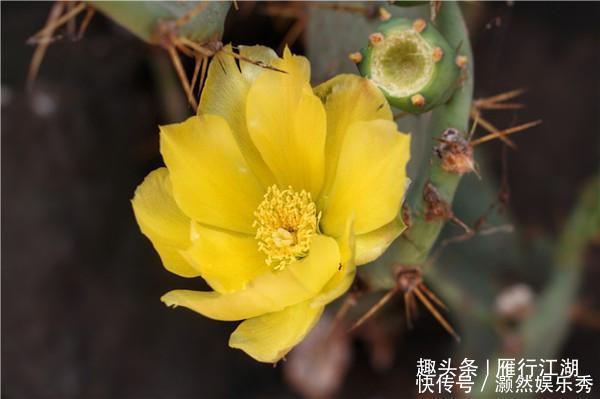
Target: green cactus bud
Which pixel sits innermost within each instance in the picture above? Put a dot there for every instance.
(412, 63)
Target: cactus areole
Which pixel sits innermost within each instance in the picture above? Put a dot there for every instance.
(412, 64)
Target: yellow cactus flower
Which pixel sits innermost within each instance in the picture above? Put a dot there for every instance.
(273, 193)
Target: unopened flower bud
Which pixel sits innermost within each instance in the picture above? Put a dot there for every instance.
(412, 63)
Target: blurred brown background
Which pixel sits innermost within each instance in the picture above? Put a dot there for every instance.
(81, 316)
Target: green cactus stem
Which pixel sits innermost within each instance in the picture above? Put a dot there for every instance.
(143, 18)
(413, 247)
(554, 304)
(412, 63)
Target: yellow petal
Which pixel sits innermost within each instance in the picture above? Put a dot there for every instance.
(370, 178)
(225, 93)
(226, 260)
(161, 220)
(371, 245)
(341, 282)
(294, 65)
(270, 337)
(256, 53)
(269, 292)
(173, 261)
(211, 180)
(287, 124)
(347, 99)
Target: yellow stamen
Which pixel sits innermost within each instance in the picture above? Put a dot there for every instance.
(285, 222)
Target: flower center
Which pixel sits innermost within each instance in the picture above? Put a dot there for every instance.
(285, 222)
